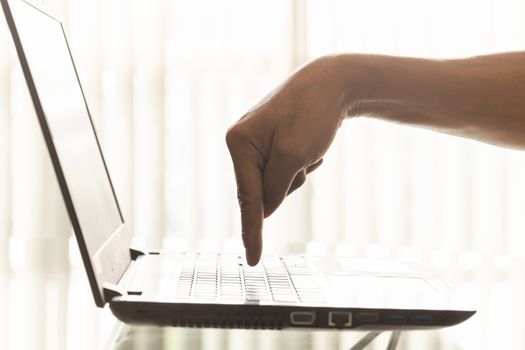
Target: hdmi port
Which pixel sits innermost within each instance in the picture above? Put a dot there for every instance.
(302, 318)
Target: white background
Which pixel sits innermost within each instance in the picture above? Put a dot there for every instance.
(164, 80)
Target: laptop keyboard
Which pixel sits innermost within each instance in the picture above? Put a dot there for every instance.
(226, 278)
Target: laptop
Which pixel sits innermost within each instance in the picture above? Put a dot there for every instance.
(191, 289)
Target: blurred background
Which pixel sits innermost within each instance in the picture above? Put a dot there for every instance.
(165, 78)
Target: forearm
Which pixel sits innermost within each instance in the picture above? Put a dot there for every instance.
(480, 97)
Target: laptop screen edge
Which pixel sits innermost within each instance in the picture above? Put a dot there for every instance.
(109, 263)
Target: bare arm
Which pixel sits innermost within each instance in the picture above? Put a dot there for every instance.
(480, 97)
(283, 138)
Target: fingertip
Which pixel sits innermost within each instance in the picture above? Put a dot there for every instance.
(253, 248)
(253, 257)
(253, 253)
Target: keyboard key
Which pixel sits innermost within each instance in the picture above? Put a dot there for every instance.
(214, 276)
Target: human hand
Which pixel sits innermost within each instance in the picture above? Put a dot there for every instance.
(282, 139)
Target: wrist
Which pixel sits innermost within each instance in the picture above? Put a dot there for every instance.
(356, 81)
(397, 89)
(329, 74)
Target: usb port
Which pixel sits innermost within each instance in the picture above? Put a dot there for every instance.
(339, 319)
(425, 319)
(368, 317)
(396, 318)
(302, 318)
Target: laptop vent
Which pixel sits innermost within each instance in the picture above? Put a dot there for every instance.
(226, 320)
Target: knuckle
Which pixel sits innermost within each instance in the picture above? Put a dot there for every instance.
(246, 200)
(236, 137)
(232, 136)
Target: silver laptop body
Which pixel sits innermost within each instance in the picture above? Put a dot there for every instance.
(196, 289)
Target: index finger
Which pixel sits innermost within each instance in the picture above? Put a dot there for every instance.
(248, 174)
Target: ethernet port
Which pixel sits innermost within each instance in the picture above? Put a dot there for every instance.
(339, 319)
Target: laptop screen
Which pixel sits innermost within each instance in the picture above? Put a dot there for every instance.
(69, 123)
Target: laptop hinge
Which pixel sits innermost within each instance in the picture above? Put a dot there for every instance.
(111, 291)
(135, 253)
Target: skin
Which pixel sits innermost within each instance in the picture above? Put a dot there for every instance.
(284, 137)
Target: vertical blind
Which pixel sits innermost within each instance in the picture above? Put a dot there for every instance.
(165, 78)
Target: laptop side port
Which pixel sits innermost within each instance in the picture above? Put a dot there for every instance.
(302, 318)
(368, 317)
(422, 319)
(339, 319)
(396, 318)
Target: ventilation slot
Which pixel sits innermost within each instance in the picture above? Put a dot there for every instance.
(226, 320)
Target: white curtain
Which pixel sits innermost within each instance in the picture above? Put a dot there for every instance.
(164, 79)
